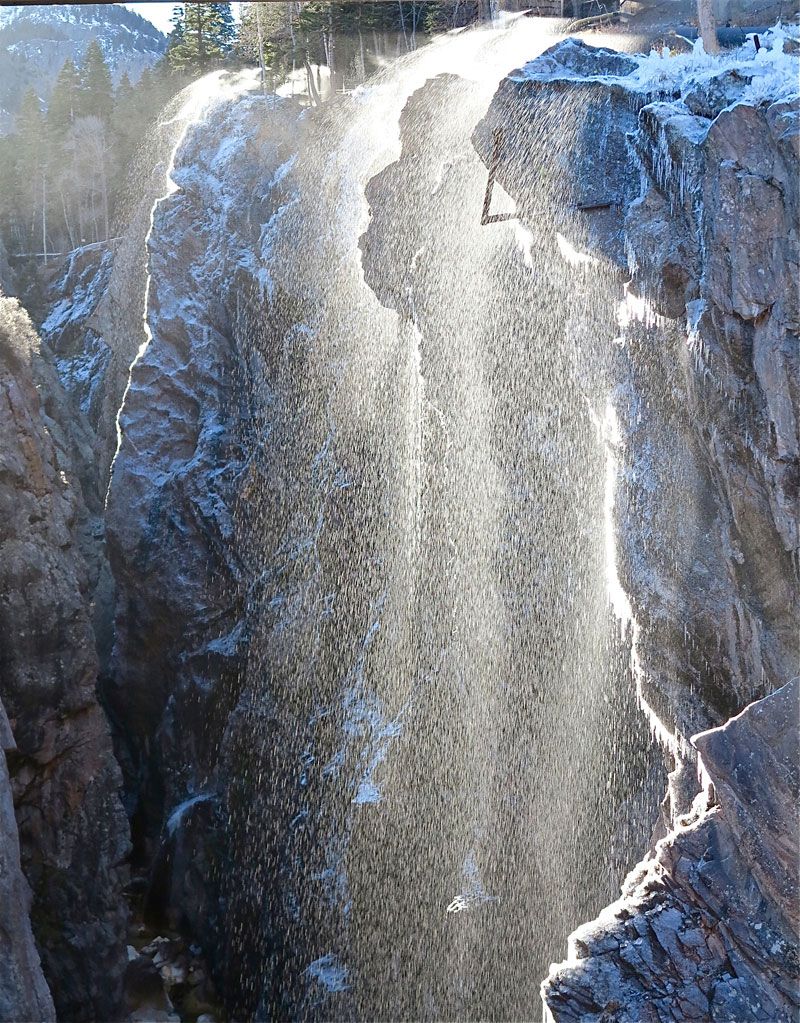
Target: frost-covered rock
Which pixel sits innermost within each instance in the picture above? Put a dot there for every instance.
(81, 356)
(502, 413)
(703, 444)
(547, 123)
(181, 643)
(706, 929)
(92, 325)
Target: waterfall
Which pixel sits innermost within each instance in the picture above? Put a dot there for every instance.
(432, 742)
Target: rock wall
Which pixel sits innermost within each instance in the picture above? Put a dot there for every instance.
(245, 489)
(713, 245)
(91, 329)
(706, 929)
(73, 835)
(23, 990)
(702, 425)
(181, 635)
(283, 595)
(508, 554)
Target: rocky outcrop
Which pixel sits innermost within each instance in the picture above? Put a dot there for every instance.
(91, 330)
(707, 928)
(713, 246)
(23, 991)
(290, 603)
(93, 325)
(339, 515)
(702, 428)
(73, 835)
(81, 355)
(175, 546)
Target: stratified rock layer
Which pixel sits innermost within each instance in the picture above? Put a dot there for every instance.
(706, 930)
(707, 513)
(73, 834)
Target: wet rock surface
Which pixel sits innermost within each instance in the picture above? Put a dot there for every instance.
(705, 444)
(718, 606)
(73, 835)
(426, 243)
(177, 557)
(575, 106)
(168, 981)
(706, 929)
(245, 490)
(259, 470)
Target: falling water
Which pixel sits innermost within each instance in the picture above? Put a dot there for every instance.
(434, 745)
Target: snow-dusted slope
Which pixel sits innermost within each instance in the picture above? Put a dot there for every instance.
(36, 40)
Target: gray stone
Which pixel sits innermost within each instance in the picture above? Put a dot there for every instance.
(710, 97)
(548, 157)
(73, 834)
(23, 991)
(720, 970)
(177, 553)
(584, 61)
(706, 522)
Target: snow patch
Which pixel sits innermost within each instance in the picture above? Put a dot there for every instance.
(473, 894)
(665, 74)
(329, 972)
(774, 72)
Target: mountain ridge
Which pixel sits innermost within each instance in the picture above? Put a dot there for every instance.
(36, 39)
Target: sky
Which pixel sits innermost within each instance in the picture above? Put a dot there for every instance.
(160, 13)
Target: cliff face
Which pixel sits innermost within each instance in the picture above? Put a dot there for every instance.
(702, 427)
(507, 555)
(339, 513)
(285, 592)
(73, 835)
(23, 990)
(713, 245)
(706, 929)
(177, 550)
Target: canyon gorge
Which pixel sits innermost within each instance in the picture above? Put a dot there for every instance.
(399, 606)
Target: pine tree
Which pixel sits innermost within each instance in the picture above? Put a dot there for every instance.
(126, 122)
(124, 90)
(178, 22)
(85, 177)
(227, 26)
(97, 95)
(202, 35)
(33, 158)
(145, 83)
(12, 195)
(65, 100)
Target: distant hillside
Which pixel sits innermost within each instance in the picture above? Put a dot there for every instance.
(36, 40)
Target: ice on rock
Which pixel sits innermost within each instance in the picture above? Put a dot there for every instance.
(329, 972)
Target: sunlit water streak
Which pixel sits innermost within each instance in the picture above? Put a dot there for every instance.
(435, 735)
